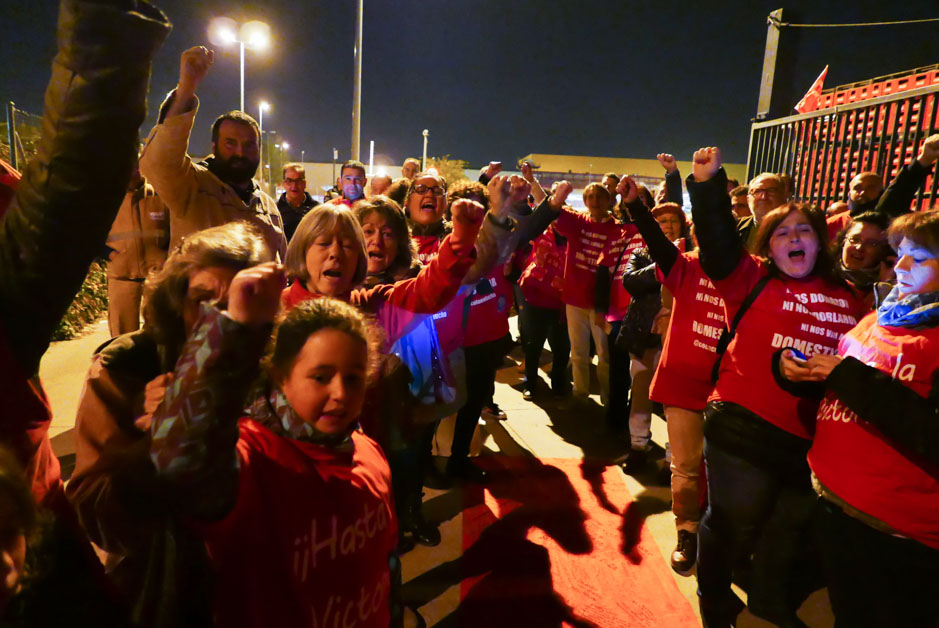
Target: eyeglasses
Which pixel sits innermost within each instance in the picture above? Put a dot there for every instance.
(763, 192)
(289, 181)
(866, 244)
(438, 191)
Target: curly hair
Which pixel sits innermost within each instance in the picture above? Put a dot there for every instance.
(236, 245)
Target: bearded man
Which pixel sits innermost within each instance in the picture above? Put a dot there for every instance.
(221, 188)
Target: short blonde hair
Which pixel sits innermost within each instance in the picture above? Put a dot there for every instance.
(328, 219)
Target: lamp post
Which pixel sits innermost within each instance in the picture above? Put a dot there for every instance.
(284, 146)
(224, 31)
(424, 160)
(262, 107)
(302, 156)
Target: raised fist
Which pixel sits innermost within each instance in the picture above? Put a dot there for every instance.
(519, 189)
(560, 194)
(526, 171)
(706, 163)
(929, 152)
(467, 218)
(254, 295)
(627, 188)
(668, 162)
(194, 64)
(494, 168)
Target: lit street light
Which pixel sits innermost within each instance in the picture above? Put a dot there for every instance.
(224, 31)
(284, 146)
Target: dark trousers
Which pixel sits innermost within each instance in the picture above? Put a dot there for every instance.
(751, 510)
(876, 579)
(540, 324)
(482, 361)
(617, 410)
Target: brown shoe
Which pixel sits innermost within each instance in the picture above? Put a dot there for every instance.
(685, 553)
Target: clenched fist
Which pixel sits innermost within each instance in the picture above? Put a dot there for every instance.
(561, 192)
(706, 163)
(929, 153)
(627, 188)
(668, 162)
(194, 64)
(254, 295)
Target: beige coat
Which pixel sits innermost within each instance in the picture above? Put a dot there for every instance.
(195, 197)
(139, 236)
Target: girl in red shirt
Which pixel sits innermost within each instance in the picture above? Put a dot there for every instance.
(875, 456)
(757, 434)
(294, 504)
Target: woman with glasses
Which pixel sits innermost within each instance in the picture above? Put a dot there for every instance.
(863, 253)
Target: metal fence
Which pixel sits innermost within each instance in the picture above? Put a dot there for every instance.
(21, 130)
(824, 149)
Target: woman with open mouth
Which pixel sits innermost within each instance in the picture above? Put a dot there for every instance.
(787, 294)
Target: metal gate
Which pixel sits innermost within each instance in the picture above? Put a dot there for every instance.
(824, 149)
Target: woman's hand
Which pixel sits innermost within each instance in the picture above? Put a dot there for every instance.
(823, 365)
(793, 369)
(254, 295)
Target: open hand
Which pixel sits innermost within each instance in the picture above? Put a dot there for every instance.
(706, 163)
(254, 295)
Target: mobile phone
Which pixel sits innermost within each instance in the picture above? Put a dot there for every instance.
(798, 357)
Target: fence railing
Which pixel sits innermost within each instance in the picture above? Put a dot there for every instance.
(824, 149)
(22, 136)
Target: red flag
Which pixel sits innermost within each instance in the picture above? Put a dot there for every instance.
(809, 102)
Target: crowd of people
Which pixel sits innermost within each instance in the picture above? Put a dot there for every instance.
(254, 453)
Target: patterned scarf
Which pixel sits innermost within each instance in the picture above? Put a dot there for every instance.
(915, 310)
(273, 411)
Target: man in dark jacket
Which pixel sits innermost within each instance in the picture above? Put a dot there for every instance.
(295, 202)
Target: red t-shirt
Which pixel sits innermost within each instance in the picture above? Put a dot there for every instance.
(808, 314)
(488, 315)
(542, 281)
(427, 246)
(307, 543)
(586, 241)
(863, 467)
(683, 377)
(616, 257)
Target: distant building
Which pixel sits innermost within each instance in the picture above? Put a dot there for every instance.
(581, 170)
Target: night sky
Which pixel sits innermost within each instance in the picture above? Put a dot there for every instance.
(498, 80)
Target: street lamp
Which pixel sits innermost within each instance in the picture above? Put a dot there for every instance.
(302, 155)
(262, 107)
(284, 146)
(424, 161)
(224, 31)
